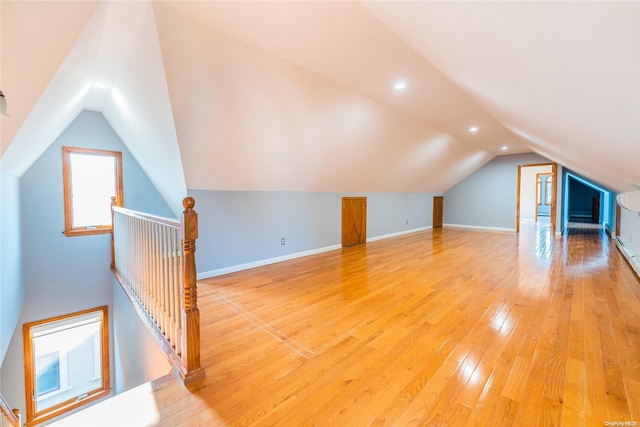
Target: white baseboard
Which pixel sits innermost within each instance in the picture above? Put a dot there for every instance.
(632, 258)
(610, 231)
(263, 262)
(399, 233)
(480, 228)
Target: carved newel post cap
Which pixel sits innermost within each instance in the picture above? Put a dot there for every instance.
(188, 202)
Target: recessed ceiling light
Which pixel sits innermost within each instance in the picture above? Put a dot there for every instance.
(400, 85)
(504, 148)
(473, 129)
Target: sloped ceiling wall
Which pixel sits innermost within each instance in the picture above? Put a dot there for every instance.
(113, 65)
(563, 75)
(32, 49)
(299, 95)
(247, 120)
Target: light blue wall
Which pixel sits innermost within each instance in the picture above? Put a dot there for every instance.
(11, 285)
(487, 198)
(243, 227)
(67, 274)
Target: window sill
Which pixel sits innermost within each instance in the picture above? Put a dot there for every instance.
(47, 415)
(54, 393)
(86, 231)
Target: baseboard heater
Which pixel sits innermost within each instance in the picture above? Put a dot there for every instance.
(632, 258)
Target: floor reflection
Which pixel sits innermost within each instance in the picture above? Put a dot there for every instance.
(581, 228)
(593, 240)
(540, 236)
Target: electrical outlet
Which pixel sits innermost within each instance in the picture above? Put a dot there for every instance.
(282, 241)
(407, 222)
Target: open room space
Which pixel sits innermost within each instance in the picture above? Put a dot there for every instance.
(441, 327)
(348, 213)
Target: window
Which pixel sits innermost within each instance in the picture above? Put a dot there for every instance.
(91, 178)
(549, 190)
(66, 363)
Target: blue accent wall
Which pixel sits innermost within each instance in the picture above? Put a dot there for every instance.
(580, 201)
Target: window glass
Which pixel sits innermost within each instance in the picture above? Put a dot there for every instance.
(91, 178)
(66, 362)
(47, 373)
(93, 182)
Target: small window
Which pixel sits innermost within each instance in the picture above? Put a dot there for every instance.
(66, 363)
(539, 190)
(91, 178)
(549, 190)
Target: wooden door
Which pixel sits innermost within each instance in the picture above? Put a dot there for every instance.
(354, 220)
(438, 209)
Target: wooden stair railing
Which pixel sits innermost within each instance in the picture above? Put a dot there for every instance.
(153, 258)
(10, 416)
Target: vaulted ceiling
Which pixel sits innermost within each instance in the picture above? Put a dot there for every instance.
(297, 95)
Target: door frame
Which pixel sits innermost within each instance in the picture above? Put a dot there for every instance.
(438, 211)
(554, 193)
(363, 225)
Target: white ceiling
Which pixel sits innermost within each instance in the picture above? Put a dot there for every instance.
(299, 95)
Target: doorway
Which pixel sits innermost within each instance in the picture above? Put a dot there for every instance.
(354, 220)
(537, 194)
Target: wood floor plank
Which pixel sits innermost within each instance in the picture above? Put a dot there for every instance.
(440, 327)
(504, 413)
(596, 406)
(499, 371)
(573, 413)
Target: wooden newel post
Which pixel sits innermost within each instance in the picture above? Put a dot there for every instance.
(113, 225)
(190, 312)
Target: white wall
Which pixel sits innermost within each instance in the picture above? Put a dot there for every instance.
(248, 120)
(630, 230)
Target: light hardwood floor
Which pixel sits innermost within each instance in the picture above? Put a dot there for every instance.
(438, 328)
